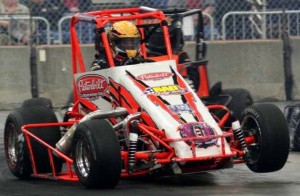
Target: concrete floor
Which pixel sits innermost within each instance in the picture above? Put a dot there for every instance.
(235, 181)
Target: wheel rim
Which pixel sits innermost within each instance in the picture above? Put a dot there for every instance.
(11, 145)
(252, 128)
(82, 156)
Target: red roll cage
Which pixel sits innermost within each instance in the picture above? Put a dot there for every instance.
(101, 19)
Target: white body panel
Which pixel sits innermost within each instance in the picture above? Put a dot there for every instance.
(162, 118)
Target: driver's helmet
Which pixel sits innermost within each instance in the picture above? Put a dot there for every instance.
(125, 40)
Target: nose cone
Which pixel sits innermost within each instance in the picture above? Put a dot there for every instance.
(201, 130)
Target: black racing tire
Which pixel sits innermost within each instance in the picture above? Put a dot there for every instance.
(240, 100)
(70, 100)
(15, 145)
(96, 154)
(38, 101)
(267, 124)
(296, 138)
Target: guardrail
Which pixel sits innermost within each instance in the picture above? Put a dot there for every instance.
(259, 25)
(35, 32)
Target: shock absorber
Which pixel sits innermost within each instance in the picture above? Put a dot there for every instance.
(238, 133)
(133, 139)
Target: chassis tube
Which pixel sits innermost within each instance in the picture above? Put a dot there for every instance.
(65, 143)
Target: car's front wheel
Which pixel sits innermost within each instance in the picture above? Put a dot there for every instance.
(269, 151)
(97, 155)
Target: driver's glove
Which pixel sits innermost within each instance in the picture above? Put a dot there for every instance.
(98, 64)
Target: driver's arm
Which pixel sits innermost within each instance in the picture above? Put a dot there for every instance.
(98, 64)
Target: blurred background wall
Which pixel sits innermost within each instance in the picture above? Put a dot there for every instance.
(245, 45)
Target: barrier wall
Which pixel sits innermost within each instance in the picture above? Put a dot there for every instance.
(14, 76)
(254, 65)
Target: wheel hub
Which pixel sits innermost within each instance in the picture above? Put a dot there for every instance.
(83, 157)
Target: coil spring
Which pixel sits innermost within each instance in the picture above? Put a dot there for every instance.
(132, 150)
(133, 140)
(240, 136)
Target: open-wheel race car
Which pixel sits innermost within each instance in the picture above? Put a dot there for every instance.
(138, 119)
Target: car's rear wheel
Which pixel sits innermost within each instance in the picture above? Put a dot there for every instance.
(270, 150)
(240, 100)
(38, 101)
(96, 154)
(296, 138)
(16, 149)
(70, 100)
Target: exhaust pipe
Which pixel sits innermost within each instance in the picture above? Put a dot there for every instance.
(64, 145)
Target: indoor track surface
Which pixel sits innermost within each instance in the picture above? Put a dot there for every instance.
(235, 181)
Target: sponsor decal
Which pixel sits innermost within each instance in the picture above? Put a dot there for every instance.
(165, 90)
(91, 86)
(155, 76)
(201, 130)
(180, 108)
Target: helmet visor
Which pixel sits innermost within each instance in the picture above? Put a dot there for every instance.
(128, 43)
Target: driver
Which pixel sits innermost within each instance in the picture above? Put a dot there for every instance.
(125, 41)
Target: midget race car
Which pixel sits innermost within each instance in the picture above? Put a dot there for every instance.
(140, 119)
